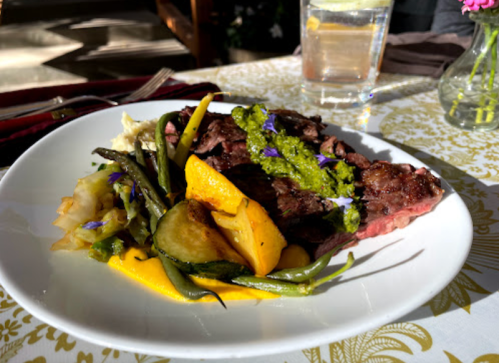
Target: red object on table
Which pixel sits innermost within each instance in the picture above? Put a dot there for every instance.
(17, 135)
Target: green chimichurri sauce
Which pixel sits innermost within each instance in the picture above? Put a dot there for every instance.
(299, 164)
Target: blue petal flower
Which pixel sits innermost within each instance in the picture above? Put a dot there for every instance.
(269, 124)
(342, 202)
(271, 152)
(113, 177)
(132, 193)
(323, 160)
(264, 111)
(94, 225)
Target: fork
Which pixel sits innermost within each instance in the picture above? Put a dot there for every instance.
(150, 87)
(143, 92)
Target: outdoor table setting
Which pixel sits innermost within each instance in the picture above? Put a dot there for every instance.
(423, 293)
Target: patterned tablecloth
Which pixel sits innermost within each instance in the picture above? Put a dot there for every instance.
(459, 325)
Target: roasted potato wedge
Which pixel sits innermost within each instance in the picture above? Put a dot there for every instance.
(253, 234)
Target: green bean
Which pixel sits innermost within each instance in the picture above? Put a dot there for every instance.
(346, 266)
(302, 274)
(277, 287)
(154, 211)
(136, 173)
(183, 284)
(162, 152)
(140, 156)
(289, 288)
(153, 222)
(139, 153)
(154, 161)
(138, 229)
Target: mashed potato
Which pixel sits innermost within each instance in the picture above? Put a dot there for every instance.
(131, 128)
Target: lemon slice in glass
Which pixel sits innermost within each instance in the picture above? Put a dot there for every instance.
(349, 5)
(313, 23)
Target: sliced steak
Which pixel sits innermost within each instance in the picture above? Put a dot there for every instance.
(358, 160)
(229, 146)
(306, 128)
(342, 150)
(392, 187)
(393, 196)
(255, 183)
(185, 115)
(221, 130)
(331, 144)
(332, 241)
(208, 119)
(171, 133)
(296, 212)
(286, 203)
(225, 160)
(299, 213)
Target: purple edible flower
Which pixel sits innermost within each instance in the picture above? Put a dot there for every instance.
(271, 152)
(323, 160)
(342, 202)
(93, 225)
(264, 111)
(269, 124)
(113, 177)
(132, 193)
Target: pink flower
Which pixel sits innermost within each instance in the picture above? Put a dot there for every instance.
(475, 5)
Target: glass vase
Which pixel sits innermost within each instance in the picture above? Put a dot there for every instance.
(469, 88)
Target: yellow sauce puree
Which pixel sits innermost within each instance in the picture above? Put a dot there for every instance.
(151, 273)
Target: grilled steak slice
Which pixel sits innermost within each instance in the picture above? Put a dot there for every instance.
(393, 196)
(331, 144)
(255, 183)
(341, 149)
(297, 213)
(332, 241)
(358, 160)
(227, 160)
(294, 206)
(215, 129)
(221, 130)
(306, 128)
(222, 144)
(282, 198)
(172, 135)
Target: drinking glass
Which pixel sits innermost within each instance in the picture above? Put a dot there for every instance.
(342, 44)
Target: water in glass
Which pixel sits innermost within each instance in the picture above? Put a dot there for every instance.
(341, 51)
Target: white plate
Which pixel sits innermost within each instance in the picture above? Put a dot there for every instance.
(393, 275)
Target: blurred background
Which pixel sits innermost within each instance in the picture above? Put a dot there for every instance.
(68, 41)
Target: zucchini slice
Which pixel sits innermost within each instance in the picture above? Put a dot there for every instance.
(188, 236)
